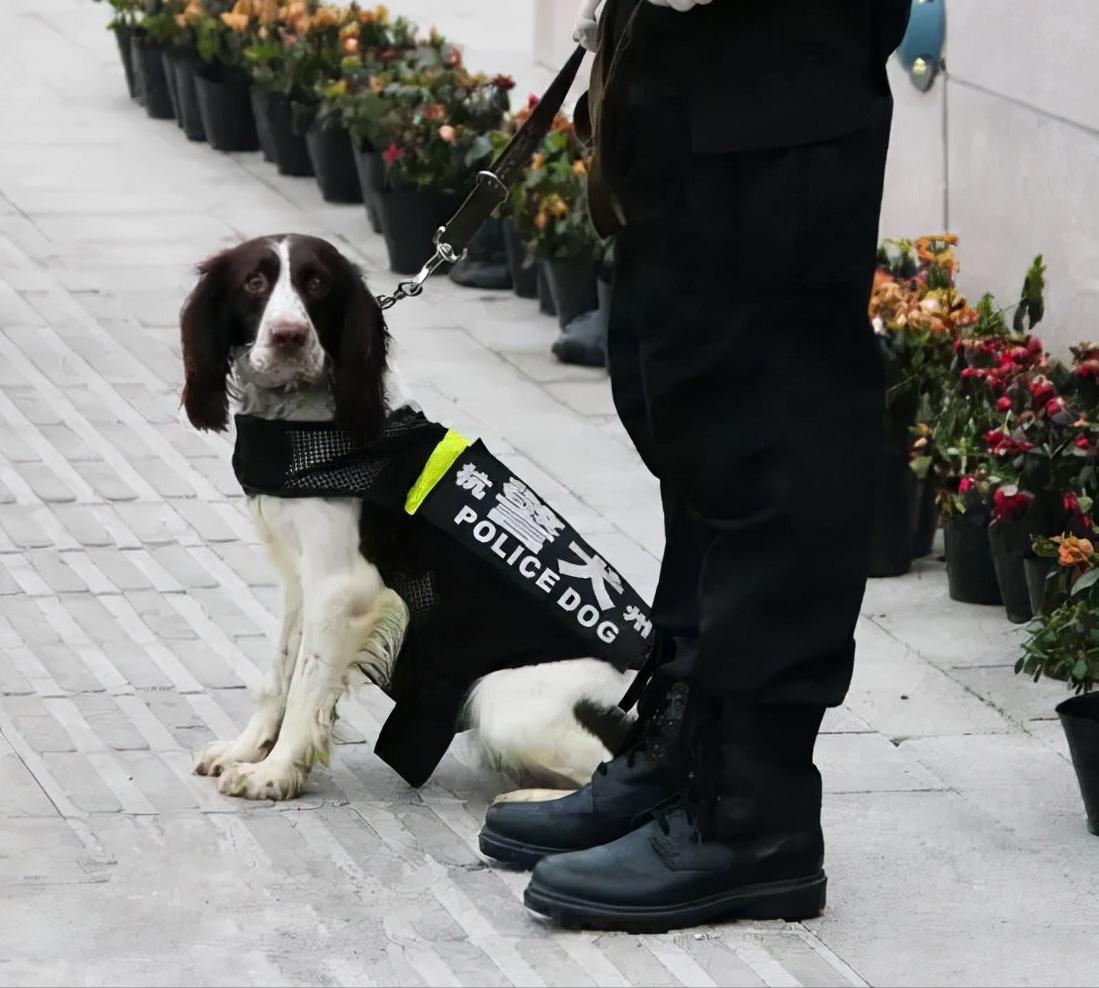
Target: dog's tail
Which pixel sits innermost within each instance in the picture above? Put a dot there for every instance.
(610, 725)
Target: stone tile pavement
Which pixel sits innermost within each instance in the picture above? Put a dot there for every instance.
(136, 610)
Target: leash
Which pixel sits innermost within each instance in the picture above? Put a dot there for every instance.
(492, 185)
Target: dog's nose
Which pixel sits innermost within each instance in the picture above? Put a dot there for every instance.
(289, 336)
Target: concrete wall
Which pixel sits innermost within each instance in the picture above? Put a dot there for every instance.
(1019, 108)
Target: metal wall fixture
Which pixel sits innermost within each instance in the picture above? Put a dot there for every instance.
(921, 50)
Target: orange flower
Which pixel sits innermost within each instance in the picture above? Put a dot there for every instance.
(326, 17)
(1074, 551)
(540, 219)
(434, 113)
(237, 23)
(937, 250)
(579, 168)
(376, 85)
(351, 46)
(538, 161)
(448, 134)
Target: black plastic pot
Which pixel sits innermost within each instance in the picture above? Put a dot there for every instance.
(168, 57)
(1009, 542)
(371, 169)
(572, 285)
(1080, 719)
(971, 576)
(227, 112)
(259, 99)
(925, 519)
(333, 161)
(190, 114)
(545, 296)
(894, 493)
(410, 218)
(603, 290)
(126, 56)
(1037, 569)
(288, 148)
(524, 269)
(154, 80)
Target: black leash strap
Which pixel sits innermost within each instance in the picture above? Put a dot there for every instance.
(492, 185)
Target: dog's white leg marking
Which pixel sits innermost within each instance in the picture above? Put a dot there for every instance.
(259, 736)
(343, 596)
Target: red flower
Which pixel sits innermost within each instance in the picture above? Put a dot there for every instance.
(392, 154)
(995, 437)
(1034, 346)
(1003, 404)
(504, 82)
(966, 484)
(1089, 368)
(1071, 503)
(1042, 389)
(532, 101)
(971, 372)
(1008, 507)
(1082, 442)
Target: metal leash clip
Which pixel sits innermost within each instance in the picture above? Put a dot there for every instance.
(411, 287)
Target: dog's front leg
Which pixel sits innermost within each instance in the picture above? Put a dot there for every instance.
(262, 731)
(340, 614)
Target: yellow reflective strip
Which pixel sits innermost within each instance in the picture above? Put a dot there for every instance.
(441, 459)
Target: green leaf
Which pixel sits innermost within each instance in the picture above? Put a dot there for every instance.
(1080, 669)
(1085, 581)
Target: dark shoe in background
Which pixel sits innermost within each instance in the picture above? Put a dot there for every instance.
(584, 340)
(622, 794)
(485, 266)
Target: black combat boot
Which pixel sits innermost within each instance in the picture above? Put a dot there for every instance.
(623, 793)
(745, 843)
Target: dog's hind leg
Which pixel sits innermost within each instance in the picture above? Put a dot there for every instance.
(259, 736)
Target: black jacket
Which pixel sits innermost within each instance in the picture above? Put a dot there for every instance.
(760, 73)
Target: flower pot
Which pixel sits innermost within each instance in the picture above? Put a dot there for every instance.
(894, 493)
(524, 269)
(485, 265)
(545, 296)
(190, 115)
(1080, 720)
(333, 162)
(288, 148)
(259, 99)
(1009, 542)
(410, 218)
(126, 56)
(603, 289)
(227, 112)
(154, 80)
(1037, 570)
(925, 519)
(572, 285)
(971, 576)
(371, 169)
(168, 57)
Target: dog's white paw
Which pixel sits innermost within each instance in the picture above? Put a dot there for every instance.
(220, 755)
(262, 780)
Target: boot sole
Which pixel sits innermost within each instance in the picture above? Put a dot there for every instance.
(515, 852)
(793, 900)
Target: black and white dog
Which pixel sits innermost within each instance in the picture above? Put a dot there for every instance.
(285, 328)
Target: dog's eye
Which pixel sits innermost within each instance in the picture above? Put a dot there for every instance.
(316, 286)
(256, 284)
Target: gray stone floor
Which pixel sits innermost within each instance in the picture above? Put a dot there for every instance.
(135, 612)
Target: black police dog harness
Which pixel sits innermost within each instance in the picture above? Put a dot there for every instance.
(493, 577)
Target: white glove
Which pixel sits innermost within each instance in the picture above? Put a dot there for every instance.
(680, 5)
(586, 24)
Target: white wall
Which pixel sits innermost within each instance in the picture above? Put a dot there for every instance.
(1020, 109)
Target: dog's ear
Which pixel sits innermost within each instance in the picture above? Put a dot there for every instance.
(358, 366)
(204, 337)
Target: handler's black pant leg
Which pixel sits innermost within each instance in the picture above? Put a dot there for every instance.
(746, 372)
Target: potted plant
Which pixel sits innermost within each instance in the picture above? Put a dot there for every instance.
(221, 80)
(151, 38)
(522, 264)
(1063, 644)
(966, 513)
(182, 63)
(555, 225)
(371, 46)
(122, 23)
(917, 314)
(432, 123)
